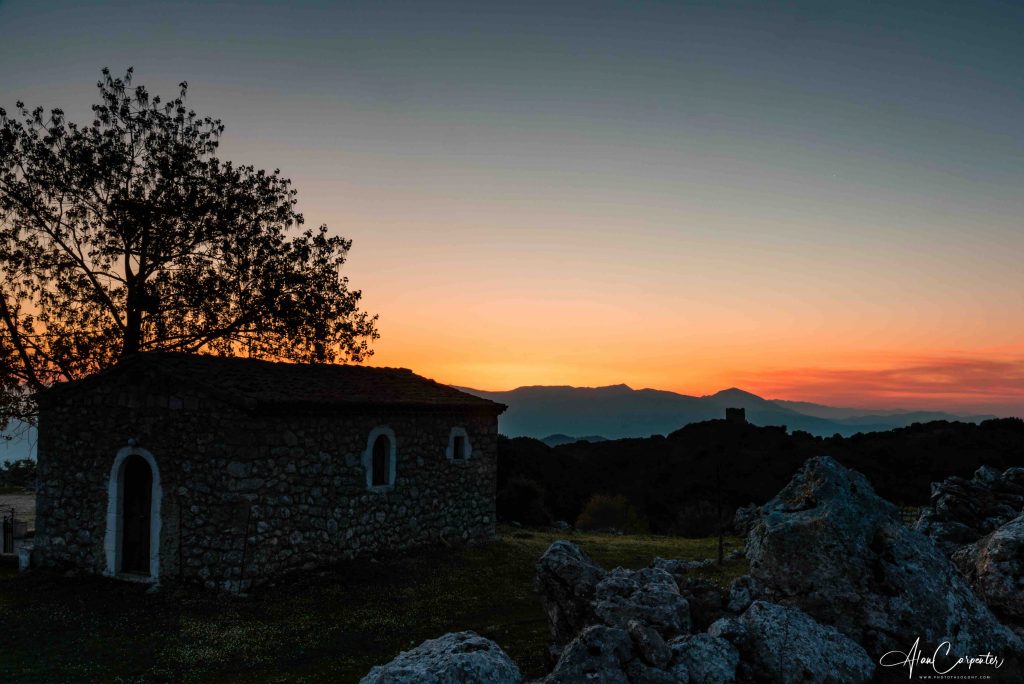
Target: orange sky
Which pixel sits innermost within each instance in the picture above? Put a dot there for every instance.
(816, 202)
(679, 306)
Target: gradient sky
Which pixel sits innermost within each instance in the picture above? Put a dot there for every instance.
(810, 200)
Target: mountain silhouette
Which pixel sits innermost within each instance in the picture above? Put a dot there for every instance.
(619, 411)
(559, 440)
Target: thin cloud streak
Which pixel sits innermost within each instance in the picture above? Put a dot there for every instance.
(951, 383)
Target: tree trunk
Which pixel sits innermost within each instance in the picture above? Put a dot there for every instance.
(133, 319)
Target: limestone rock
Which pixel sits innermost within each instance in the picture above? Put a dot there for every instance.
(650, 596)
(566, 580)
(637, 672)
(780, 644)
(599, 654)
(649, 644)
(962, 511)
(677, 568)
(830, 546)
(707, 659)
(609, 655)
(706, 599)
(742, 592)
(995, 567)
(745, 518)
(455, 658)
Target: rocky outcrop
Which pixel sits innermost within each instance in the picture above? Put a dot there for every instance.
(649, 596)
(566, 580)
(577, 593)
(598, 654)
(995, 567)
(742, 592)
(779, 644)
(745, 518)
(827, 544)
(679, 568)
(609, 655)
(707, 659)
(648, 642)
(455, 658)
(836, 579)
(627, 617)
(962, 511)
(706, 599)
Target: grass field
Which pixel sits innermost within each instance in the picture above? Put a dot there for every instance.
(320, 627)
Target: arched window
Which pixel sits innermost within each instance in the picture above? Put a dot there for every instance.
(379, 459)
(381, 455)
(459, 449)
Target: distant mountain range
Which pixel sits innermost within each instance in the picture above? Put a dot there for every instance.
(559, 440)
(617, 411)
(561, 415)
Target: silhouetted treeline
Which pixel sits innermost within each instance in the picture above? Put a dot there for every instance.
(686, 482)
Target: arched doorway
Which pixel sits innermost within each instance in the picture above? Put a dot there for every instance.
(134, 494)
(136, 503)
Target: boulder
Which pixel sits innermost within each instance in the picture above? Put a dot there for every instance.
(678, 568)
(745, 518)
(827, 544)
(638, 672)
(609, 655)
(599, 654)
(706, 599)
(962, 511)
(742, 592)
(649, 644)
(649, 596)
(455, 658)
(707, 659)
(780, 644)
(566, 580)
(995, 568)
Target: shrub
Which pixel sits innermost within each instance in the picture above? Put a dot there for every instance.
(604, 512)
(522, 500)
(20, 473)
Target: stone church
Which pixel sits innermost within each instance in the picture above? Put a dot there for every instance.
(229, 471)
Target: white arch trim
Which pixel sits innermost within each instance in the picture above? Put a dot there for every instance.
(115, 494)
(392, 458)
(449, 452)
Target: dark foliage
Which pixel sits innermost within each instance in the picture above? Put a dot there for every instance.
(128, 233)
(522, 500)
(679, 482)
(20, 473)
(610, 513)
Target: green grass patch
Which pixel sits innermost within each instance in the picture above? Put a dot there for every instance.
(330, 626)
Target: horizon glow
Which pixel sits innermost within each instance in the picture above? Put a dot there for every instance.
(812, 201)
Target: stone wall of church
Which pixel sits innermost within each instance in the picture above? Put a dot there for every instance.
(247, 495)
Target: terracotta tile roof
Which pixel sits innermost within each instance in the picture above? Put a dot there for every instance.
(268, 383)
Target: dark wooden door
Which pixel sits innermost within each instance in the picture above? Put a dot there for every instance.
(135, 509)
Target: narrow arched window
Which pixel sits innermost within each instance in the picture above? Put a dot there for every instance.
(381, 462)
(459, 448)
(379, 459)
